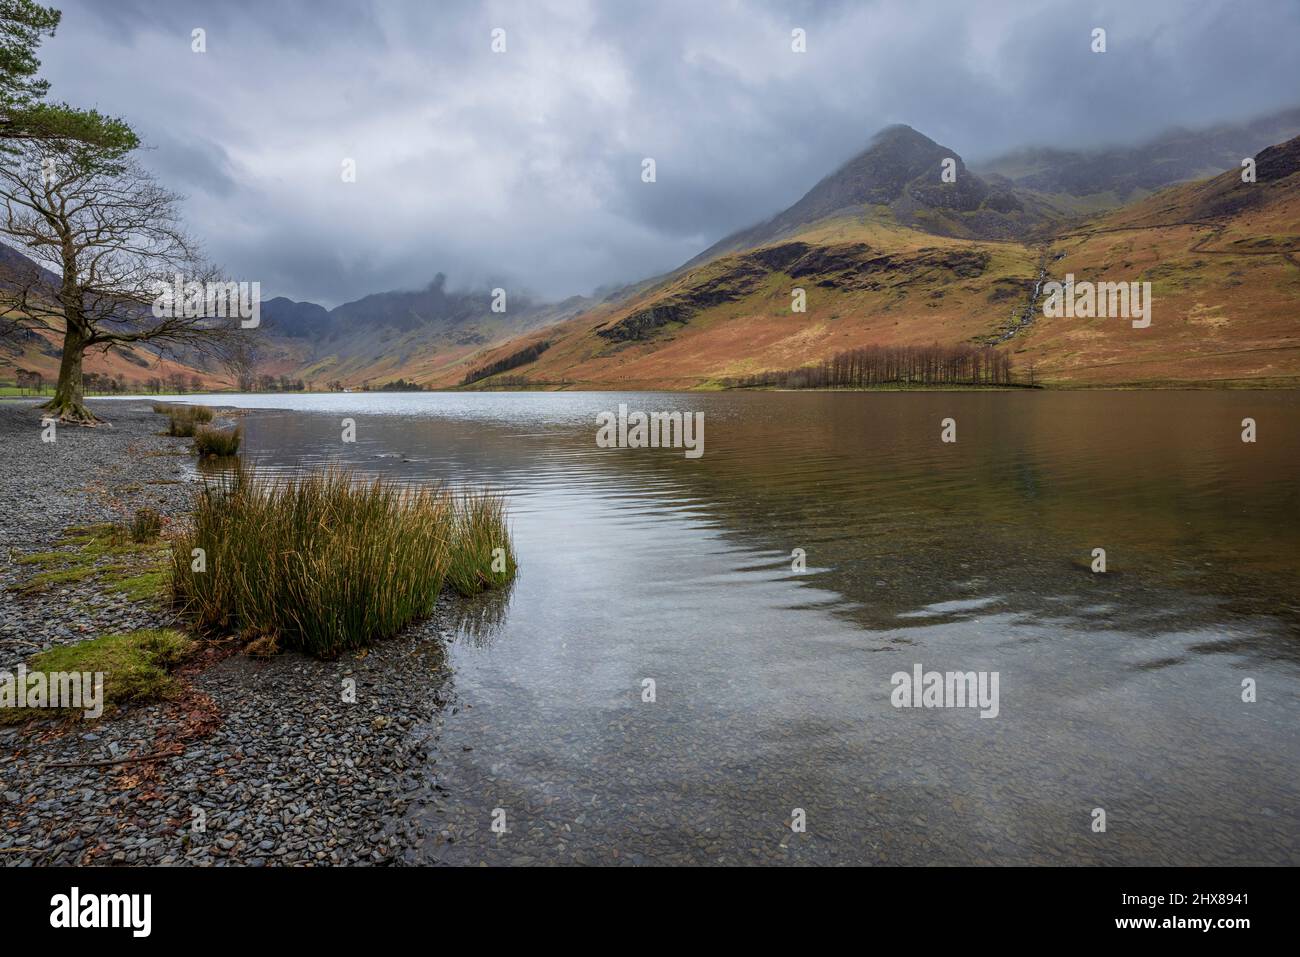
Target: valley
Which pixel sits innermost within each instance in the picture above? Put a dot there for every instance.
(880, 253)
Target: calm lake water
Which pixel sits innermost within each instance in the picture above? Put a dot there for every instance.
(1120, 691)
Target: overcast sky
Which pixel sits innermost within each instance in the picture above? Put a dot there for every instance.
(525, 166)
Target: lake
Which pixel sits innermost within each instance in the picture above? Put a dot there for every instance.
(772, 681)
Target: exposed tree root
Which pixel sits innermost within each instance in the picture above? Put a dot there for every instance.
(70, 412)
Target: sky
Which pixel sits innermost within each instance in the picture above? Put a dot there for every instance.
(523, 168)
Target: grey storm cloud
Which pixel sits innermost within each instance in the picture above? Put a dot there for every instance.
(527, 164)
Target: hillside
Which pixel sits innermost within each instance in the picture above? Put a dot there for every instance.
(1220, 256)
(414, 334)
(866, 282)
(1223, 258)
(133, 367)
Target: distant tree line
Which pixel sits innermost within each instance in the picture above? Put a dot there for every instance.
(176, 383)
(97, 382)
(894, 365)
(513, 361)
(248, 382)
(400, 385)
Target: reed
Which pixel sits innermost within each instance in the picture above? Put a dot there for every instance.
(209, 442)
(480, 555)
(184, 419)
(145, 526)
(327, 563)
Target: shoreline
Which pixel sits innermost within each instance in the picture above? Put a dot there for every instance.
(276, 767)
(1199, 385)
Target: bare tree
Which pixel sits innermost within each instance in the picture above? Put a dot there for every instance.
(112, 238)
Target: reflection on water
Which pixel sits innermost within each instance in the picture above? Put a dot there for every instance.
(1121, 691)
(478, 619)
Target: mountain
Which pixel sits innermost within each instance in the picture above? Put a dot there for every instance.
(866, 282)
(16, 269)
(294, 320)
(899, 176)
(1015, 195)
(1221, 256)
(412, 334)
(398, 311)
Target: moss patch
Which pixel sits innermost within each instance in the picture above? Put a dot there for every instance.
(61, 576)
(42, 558)
(103, 554)
(136, 668)
(144, 587)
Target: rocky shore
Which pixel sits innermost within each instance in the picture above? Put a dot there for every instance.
(255, 762)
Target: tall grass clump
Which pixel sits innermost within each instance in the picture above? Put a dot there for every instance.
(323, 562)
(184, 419)
(479, 554)
(216, 442)
(145, 526)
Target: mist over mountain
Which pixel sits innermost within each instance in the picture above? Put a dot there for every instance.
(1175, 156)
(474, 163)
(1015, 194)
(396, 330)
(897, 181)
(402, 310)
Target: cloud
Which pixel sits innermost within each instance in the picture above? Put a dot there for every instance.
(527, 164)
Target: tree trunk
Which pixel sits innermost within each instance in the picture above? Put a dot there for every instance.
(68, 404)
